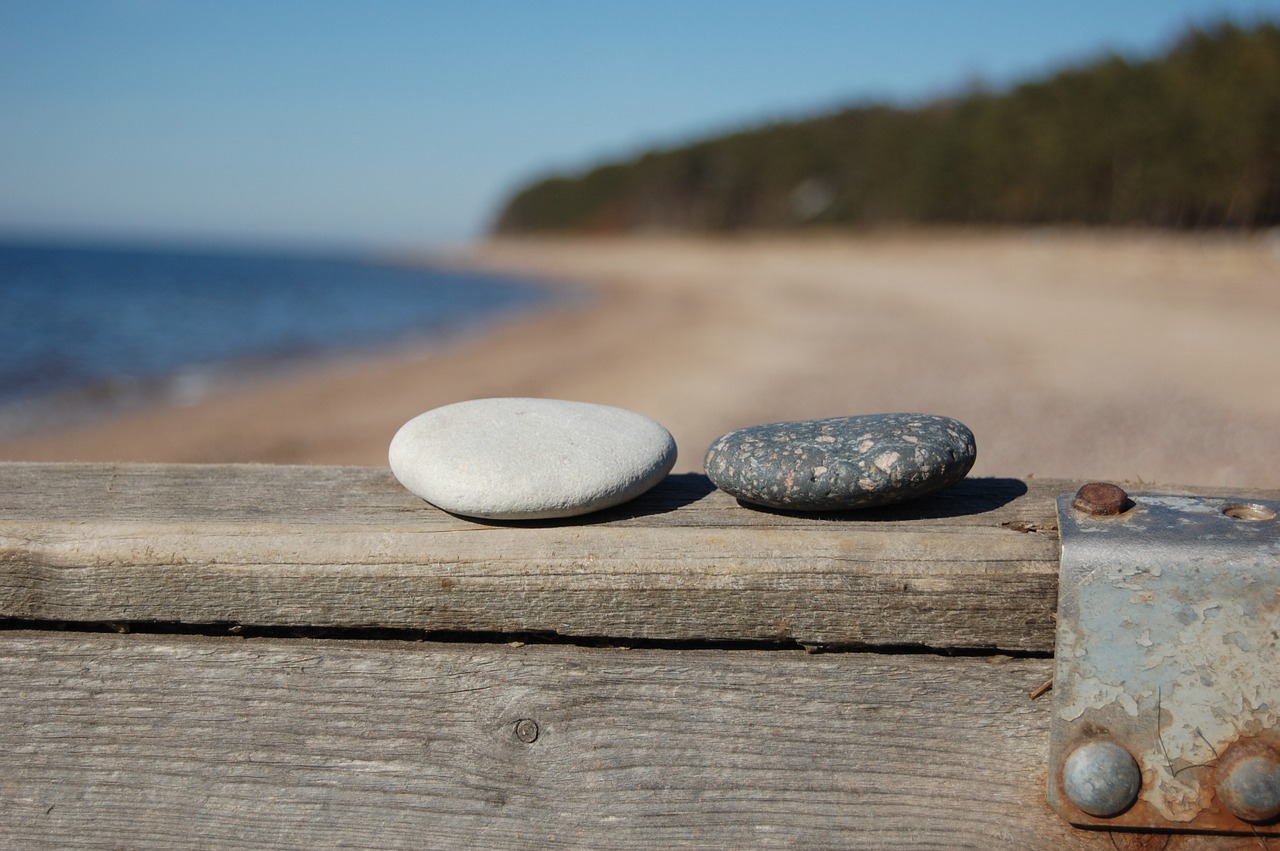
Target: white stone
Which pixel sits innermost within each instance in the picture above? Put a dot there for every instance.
(526, 459)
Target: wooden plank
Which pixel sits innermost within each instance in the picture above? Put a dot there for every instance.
(160, 742)
(975, 567)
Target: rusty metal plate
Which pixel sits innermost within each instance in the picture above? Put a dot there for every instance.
(1166, 710)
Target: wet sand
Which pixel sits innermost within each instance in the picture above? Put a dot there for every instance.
(1148, 357)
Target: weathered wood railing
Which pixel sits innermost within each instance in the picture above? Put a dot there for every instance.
(635, 678)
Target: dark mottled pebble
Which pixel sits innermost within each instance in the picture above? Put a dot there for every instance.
(841, 462)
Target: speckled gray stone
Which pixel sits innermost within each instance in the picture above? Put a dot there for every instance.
(528, 459)
(841, 462)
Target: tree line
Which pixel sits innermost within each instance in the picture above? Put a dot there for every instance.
(1190, 138)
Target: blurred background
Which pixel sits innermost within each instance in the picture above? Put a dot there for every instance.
(245, 231)
(404, 124)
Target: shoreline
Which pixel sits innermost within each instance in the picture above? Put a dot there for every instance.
(106, 399)
(1140, 356)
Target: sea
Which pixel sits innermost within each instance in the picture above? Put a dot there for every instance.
(88, 330)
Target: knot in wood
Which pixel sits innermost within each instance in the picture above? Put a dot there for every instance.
(527, 730)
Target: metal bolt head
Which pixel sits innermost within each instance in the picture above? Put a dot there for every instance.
(1101, 499)
(527, 730)
(1248, 782)
(1101, 778)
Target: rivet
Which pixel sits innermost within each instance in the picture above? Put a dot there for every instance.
(527, 730)
(1248, 782)
(1101, 499)
(1101, 778)
(1249, 511)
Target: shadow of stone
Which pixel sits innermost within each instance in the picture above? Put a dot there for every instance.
(672, 493)
(967, 497)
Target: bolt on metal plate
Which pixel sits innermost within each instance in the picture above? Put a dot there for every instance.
(1166, 709)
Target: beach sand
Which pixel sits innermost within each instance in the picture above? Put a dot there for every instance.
(1129, 356)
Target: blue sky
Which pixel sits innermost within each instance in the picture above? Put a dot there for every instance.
(308, 123)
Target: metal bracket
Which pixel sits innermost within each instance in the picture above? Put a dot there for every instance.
(1166, 710)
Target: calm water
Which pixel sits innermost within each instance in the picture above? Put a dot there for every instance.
(96, 324)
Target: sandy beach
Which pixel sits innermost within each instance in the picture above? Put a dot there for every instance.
(1141, 357)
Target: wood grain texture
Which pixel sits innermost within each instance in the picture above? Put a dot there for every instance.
(170, 742)
(974, 567)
